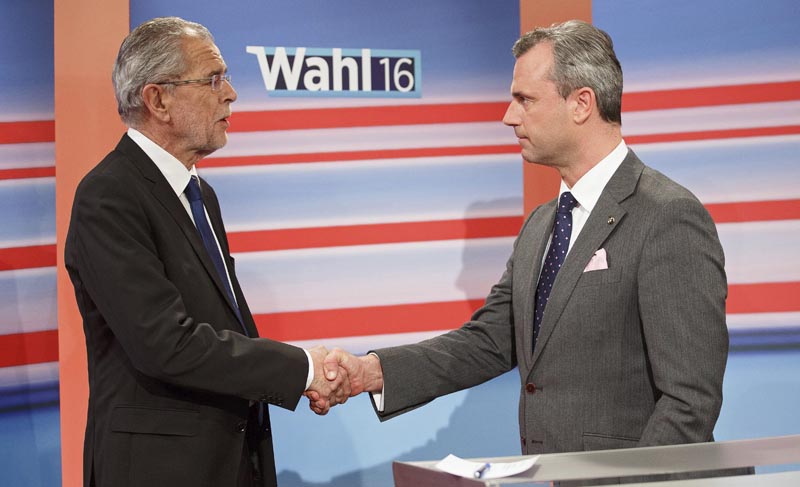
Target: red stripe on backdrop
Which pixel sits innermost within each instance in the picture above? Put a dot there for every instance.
(12, 258)
(405, 318)
(28, 172)
(378, 154)
(257, 160)
(39, 347)
(28, 131)
(711, 96)
(764, 297)
(301, 238)
(370, 116)
(28, 348)
(753, 211)
(263, 160)
(713, 134)
(375, 320)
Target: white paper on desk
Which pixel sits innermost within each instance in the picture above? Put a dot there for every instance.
(465, 468)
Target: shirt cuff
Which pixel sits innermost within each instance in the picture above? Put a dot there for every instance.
(310, 377)
(377, 397)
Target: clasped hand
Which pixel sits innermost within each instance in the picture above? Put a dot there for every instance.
(339, 375)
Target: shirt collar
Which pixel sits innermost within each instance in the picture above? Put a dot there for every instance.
(173, 170)
(589, 187)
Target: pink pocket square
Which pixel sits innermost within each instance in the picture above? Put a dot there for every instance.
(597, 262)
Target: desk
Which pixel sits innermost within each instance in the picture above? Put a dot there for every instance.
(783, 479)
(566, 468)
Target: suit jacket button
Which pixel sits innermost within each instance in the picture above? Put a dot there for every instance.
(530, 387)
(241, 427)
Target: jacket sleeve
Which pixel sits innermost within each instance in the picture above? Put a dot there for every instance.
(113, 257)
(682, 292)
(481, 349)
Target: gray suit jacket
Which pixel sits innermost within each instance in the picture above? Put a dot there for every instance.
(632, 355)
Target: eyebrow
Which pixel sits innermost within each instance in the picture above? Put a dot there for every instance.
(222, 70)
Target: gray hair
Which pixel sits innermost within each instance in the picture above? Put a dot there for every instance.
(152, 53)
(583, 56)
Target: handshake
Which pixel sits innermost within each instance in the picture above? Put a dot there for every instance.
(339, 375)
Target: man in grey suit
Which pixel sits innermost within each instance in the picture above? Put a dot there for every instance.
(631, 347)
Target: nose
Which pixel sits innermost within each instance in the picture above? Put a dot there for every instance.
(229, 92)
(511, 117)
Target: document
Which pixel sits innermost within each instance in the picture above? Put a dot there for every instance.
(482, 470)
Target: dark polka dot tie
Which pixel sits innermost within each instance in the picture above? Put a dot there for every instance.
(559, 244)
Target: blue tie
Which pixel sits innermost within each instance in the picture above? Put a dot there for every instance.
(562, 231)
(201, 222)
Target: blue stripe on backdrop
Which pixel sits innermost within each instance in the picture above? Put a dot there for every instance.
(27, 210)
(26, 80)
(28, 300)
(30, 451)
(730, 170)
(685, 41)
(761, 394)
(28, 395)
(766, 339)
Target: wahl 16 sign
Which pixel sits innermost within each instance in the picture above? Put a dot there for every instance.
(307, 71)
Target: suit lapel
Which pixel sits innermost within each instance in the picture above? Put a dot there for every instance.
(605, 216)
(541, 228)
(163, 192)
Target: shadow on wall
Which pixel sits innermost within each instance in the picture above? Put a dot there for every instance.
(484, 424)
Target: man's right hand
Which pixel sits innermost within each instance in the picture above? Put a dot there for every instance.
(327, 389)
(364, 373)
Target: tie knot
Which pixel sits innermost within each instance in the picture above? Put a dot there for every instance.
(193, 190)
(566, 203)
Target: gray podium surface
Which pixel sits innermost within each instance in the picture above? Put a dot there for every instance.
(566, 468)
(783, 479)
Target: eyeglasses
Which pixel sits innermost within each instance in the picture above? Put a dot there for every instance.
(215, 81)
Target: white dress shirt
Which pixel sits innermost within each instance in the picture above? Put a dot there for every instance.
(589, 187)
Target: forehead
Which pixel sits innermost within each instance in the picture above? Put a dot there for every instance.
(533, 68)
(202, 56)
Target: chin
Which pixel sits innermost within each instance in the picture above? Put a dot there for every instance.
(219, 142)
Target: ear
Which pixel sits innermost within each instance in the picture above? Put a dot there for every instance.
(585, 103)
(156, 101)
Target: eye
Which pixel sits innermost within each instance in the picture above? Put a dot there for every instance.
(523, 101)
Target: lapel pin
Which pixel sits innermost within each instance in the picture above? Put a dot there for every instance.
(611, 220)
